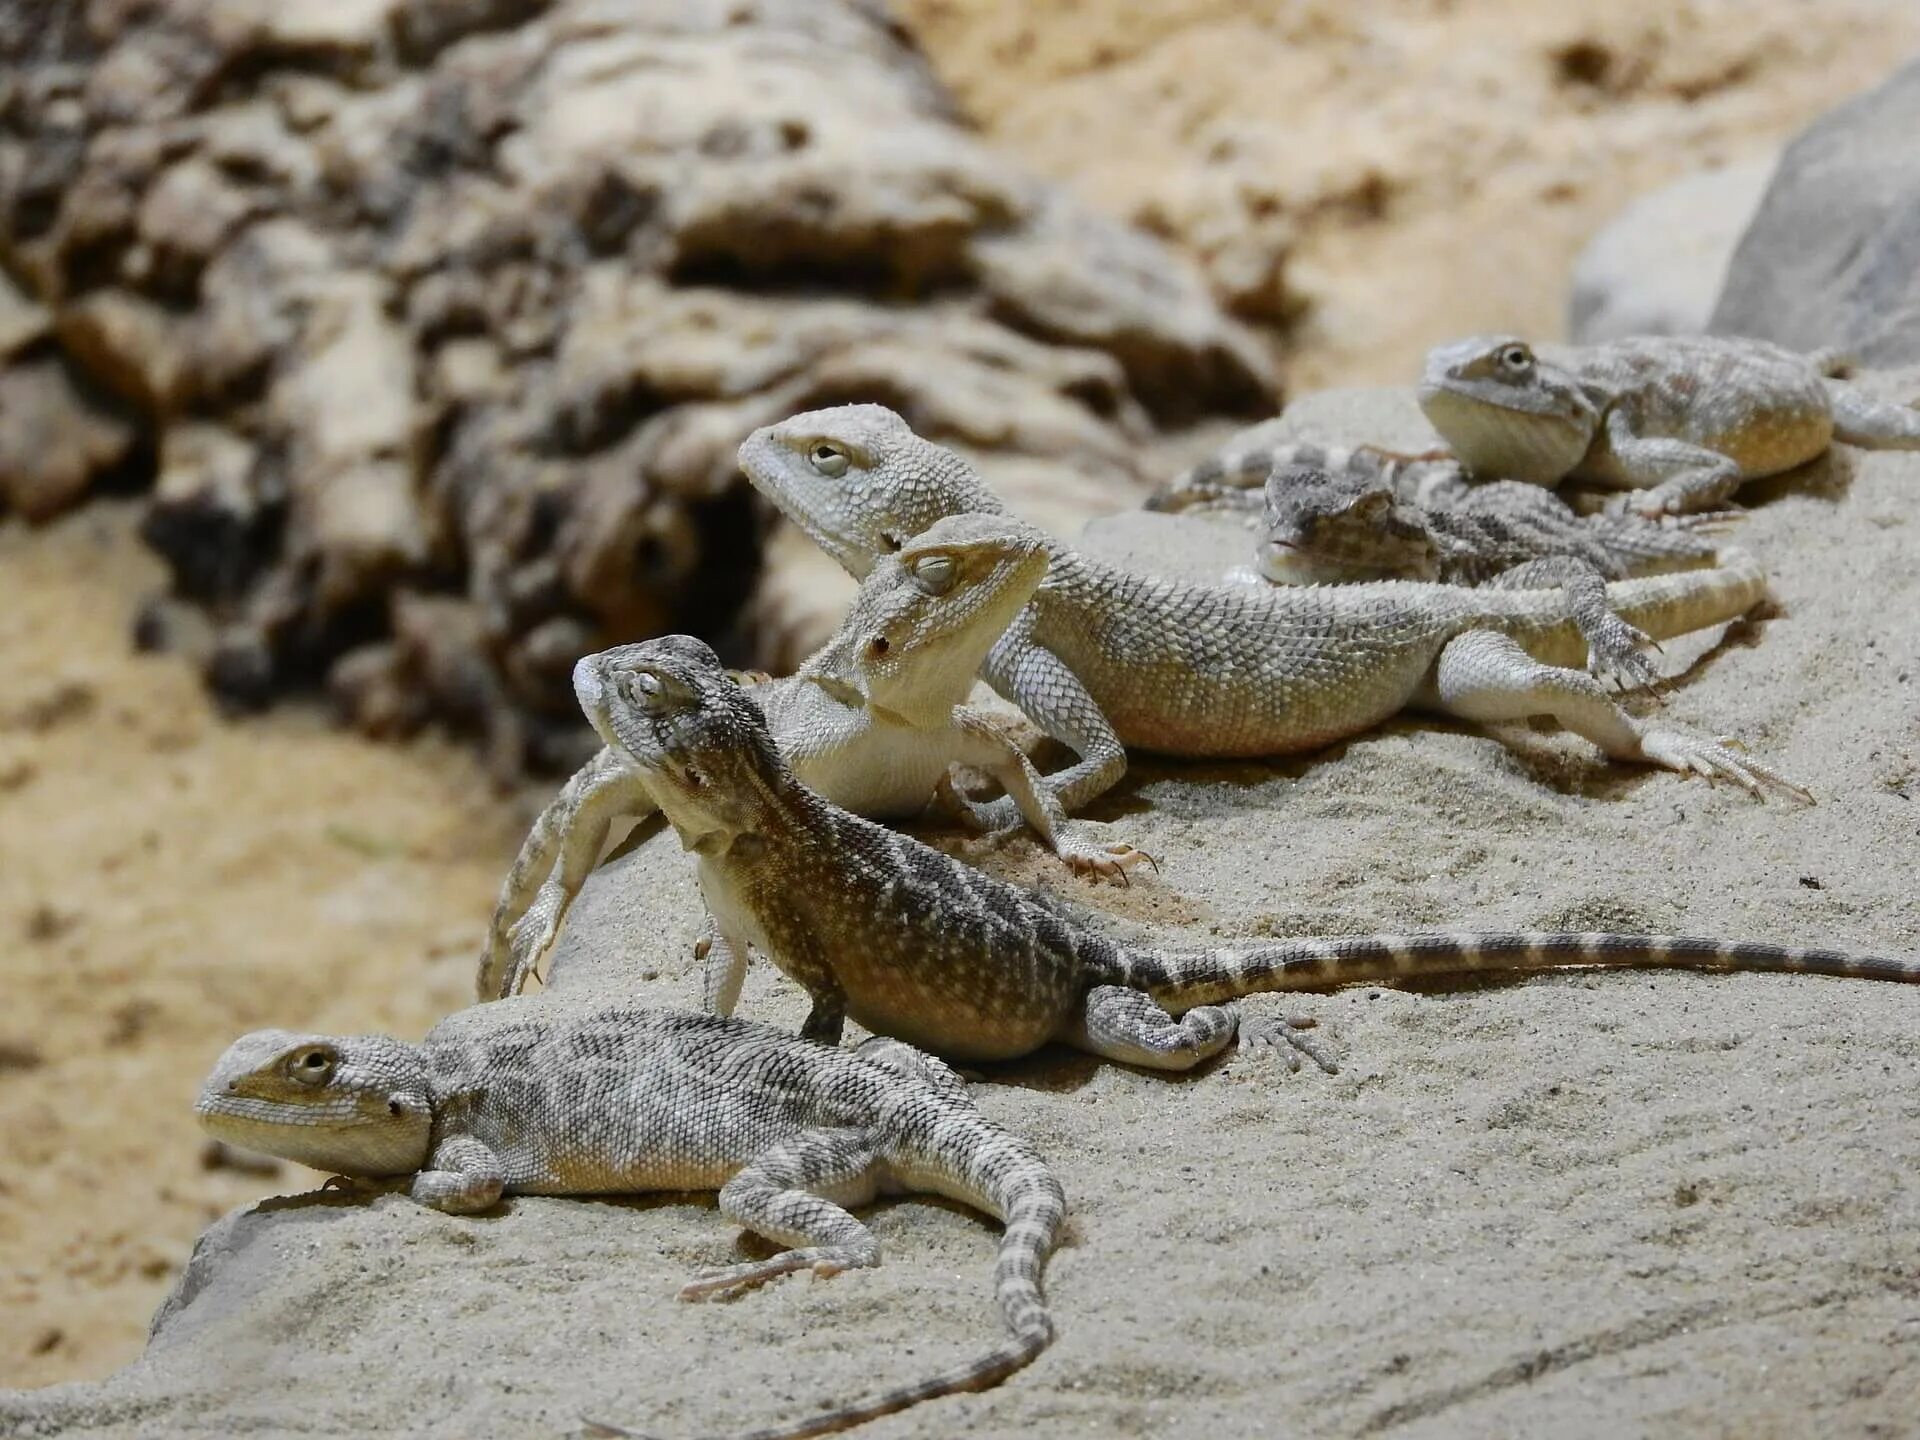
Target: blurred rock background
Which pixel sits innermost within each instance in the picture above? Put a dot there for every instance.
(394, 352)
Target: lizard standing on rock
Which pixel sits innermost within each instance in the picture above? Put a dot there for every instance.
(1102, 659)
(874, 719)
(912, 943)
(534, 1097)
(1681, 419)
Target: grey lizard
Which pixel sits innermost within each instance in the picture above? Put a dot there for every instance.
(912, 943)
(535, 1097)
(1102, 659)
(1343, 523)
(1681, 420)
(874, 719)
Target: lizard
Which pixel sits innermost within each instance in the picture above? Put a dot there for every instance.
(1102, 659)
(1332, 525)
(875, 719)
(912, 943)
(1680, 421)
(532, 1096)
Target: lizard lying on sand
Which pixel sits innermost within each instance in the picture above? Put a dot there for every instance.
(1682, 419)
(1101, 659)
(875, 719)
(1345, 526)
(1333, 516)
(912, 943)
(538, 1097)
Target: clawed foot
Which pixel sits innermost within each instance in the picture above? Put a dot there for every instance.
(1287, 1034)
(738, 1279)
(1617, 651)
(1721, 759)
(529, 949)
(1104, 862)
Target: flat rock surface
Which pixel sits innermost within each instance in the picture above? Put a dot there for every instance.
(1579, 1205)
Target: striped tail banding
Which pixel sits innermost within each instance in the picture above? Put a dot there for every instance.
(1180, 982)
(1034, 1206)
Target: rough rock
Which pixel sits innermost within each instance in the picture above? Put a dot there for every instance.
(1657, 267)
(1584, 1205)
(1833, 256)
(480, 298)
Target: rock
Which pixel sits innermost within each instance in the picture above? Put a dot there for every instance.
(1833, 256)
(1498, 1172)
(1657, 267)
(52, 442)
(492, 290)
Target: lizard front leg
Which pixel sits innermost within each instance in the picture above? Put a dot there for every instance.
(572, 828)
(982, 744)
(726, 967)
(796, 1192)
(463, 1176)
(1486, 676)
(1039, 682)
(1614, 648)
(1670, 476)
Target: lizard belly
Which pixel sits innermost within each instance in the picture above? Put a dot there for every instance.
(891, 775)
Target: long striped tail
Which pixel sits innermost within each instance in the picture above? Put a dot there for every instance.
(1181, 982)
(1024, 1191)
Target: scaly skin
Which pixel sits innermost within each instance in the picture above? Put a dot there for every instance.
(1336, 517)
(875, 719)
(914, 944)
(1102, 659)
(1681, 420)
(535, 1097)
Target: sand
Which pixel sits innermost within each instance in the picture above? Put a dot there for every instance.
(1580, 1205)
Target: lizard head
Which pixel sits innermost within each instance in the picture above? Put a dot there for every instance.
(859, 481)
(1322, 528)
(354, 1105)
(1508, 414)
(927, 615)
(675, 714)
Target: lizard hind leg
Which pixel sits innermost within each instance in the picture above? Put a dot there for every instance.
(1485, 676)
(1123, 1024)
(1860, 419)
(796, 1193)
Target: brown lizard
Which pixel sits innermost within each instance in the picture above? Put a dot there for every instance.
(912, 943)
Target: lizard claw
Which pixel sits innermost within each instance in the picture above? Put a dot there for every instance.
(1722, 759)
(1105, 862)
(1617, 651)
(734, 1280)
(1287, 1034)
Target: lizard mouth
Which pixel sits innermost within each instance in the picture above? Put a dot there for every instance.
(890, 540)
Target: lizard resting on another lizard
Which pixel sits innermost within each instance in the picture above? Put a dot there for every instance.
(1102, 659)
(874, 719)
(1682, 419)
(530, 1097)
(1339, 525)
(912, 943)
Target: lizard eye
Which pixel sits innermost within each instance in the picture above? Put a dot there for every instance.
(1516, 357)
(828, 458)
(645, 690)
(935, 573)
(879, 646)
(311, 1067)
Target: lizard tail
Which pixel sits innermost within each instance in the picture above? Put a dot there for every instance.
(1181, 982)
(1672, 604)
(1020, 1187)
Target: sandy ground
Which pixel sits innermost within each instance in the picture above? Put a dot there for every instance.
(1436, 166)
(168, 879)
